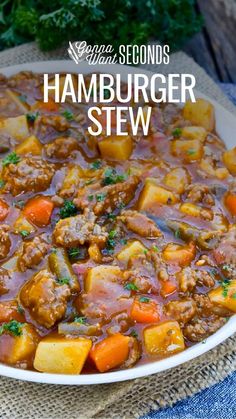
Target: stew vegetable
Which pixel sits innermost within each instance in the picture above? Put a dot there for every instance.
(113, 250)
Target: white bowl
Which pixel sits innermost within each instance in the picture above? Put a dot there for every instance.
(226, 128)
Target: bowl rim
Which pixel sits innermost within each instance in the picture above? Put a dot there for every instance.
(145, 369)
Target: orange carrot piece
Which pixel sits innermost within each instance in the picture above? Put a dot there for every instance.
(39, 210)
(143, 310)
(4, 210)
(49, 106)
(111, 352)
(230, 202)
(167, 288)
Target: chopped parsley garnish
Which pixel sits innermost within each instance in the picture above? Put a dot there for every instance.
(14, 327)
(155, 248)
(134, 334)
(100, 197)
(226, 267)
(77, 253)
(131, 287)
(90, 198)
(111, 177)
(120, 205)
(32, 116)
(20, 309)
(145, 251)
(191, 151)
(123, 241)
(68, 114)
(19, 204)
(23, 98)
(69, 209)
(81, 320)
(2, 183)
(63, 281)
(24, 233)
(177, 132)
(177, 233)
(97, 164)
(225, 285)
(144, 300)
(111, 238)
(111, 217)
(11, 158)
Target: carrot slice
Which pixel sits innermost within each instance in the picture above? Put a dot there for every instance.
(143, 310)
(110, 352)
(167, 288)
(4, 210)
(49, 106)
(230, 202)
(39, 210)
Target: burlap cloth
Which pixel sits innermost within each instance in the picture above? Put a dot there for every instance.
(127, 399)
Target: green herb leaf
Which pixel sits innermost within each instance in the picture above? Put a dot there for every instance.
(11, 158)
(81, 320)
(97, 164)
(63, 281)
(177, 132)
(14, 327)
(68, 114)
(131, 287)
(24, 233)
(111, 177)
(69, 209)
(134, 334)
(100, 197)
(2, 183)
(191, 151)
(144, 299)
(32, 116)
(23, 98)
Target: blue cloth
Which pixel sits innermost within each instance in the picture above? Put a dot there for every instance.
(216, 402)
(219, 401)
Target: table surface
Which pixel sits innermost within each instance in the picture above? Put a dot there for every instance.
(214, 48)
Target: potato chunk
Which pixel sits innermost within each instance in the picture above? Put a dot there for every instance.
(132, 249)
(188, 150)
(30, 146)
(116, 147)
(164, 339)
(61, 355)
(229, 159)
(194, 133)
(200, 113)
(196, 211)
(101, 273)
(177, 179)
(181, 255)
(153, 194)
(16, 127)
(20, 349)
(22, 224)
(225, 295)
